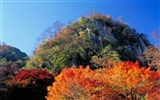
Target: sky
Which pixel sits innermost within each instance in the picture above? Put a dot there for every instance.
(22, 21)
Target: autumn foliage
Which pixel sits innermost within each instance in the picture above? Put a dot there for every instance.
(76, 84)
(30, 85)
(151, 56)
(33, 77)
(126, 80)
(132, 81)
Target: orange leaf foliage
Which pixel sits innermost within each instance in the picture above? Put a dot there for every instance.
(125, 80)
(78, 84)
(132, 79)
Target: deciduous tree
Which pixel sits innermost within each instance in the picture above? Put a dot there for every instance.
(125, 80)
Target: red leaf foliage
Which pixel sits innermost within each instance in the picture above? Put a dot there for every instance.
(33, 77)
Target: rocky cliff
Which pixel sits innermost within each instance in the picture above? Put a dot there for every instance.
(134, 43)
(94, 41)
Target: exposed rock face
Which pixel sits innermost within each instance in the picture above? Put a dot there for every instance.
(131, 44)
(90, 40)
(134, 44)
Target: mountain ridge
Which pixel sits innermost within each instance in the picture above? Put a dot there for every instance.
(10, 55)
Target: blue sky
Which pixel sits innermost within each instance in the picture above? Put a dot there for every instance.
(22, 21)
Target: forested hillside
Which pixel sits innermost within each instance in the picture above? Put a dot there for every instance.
(94, 58)
(96, 41)
(11, 61)
(12, 56)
